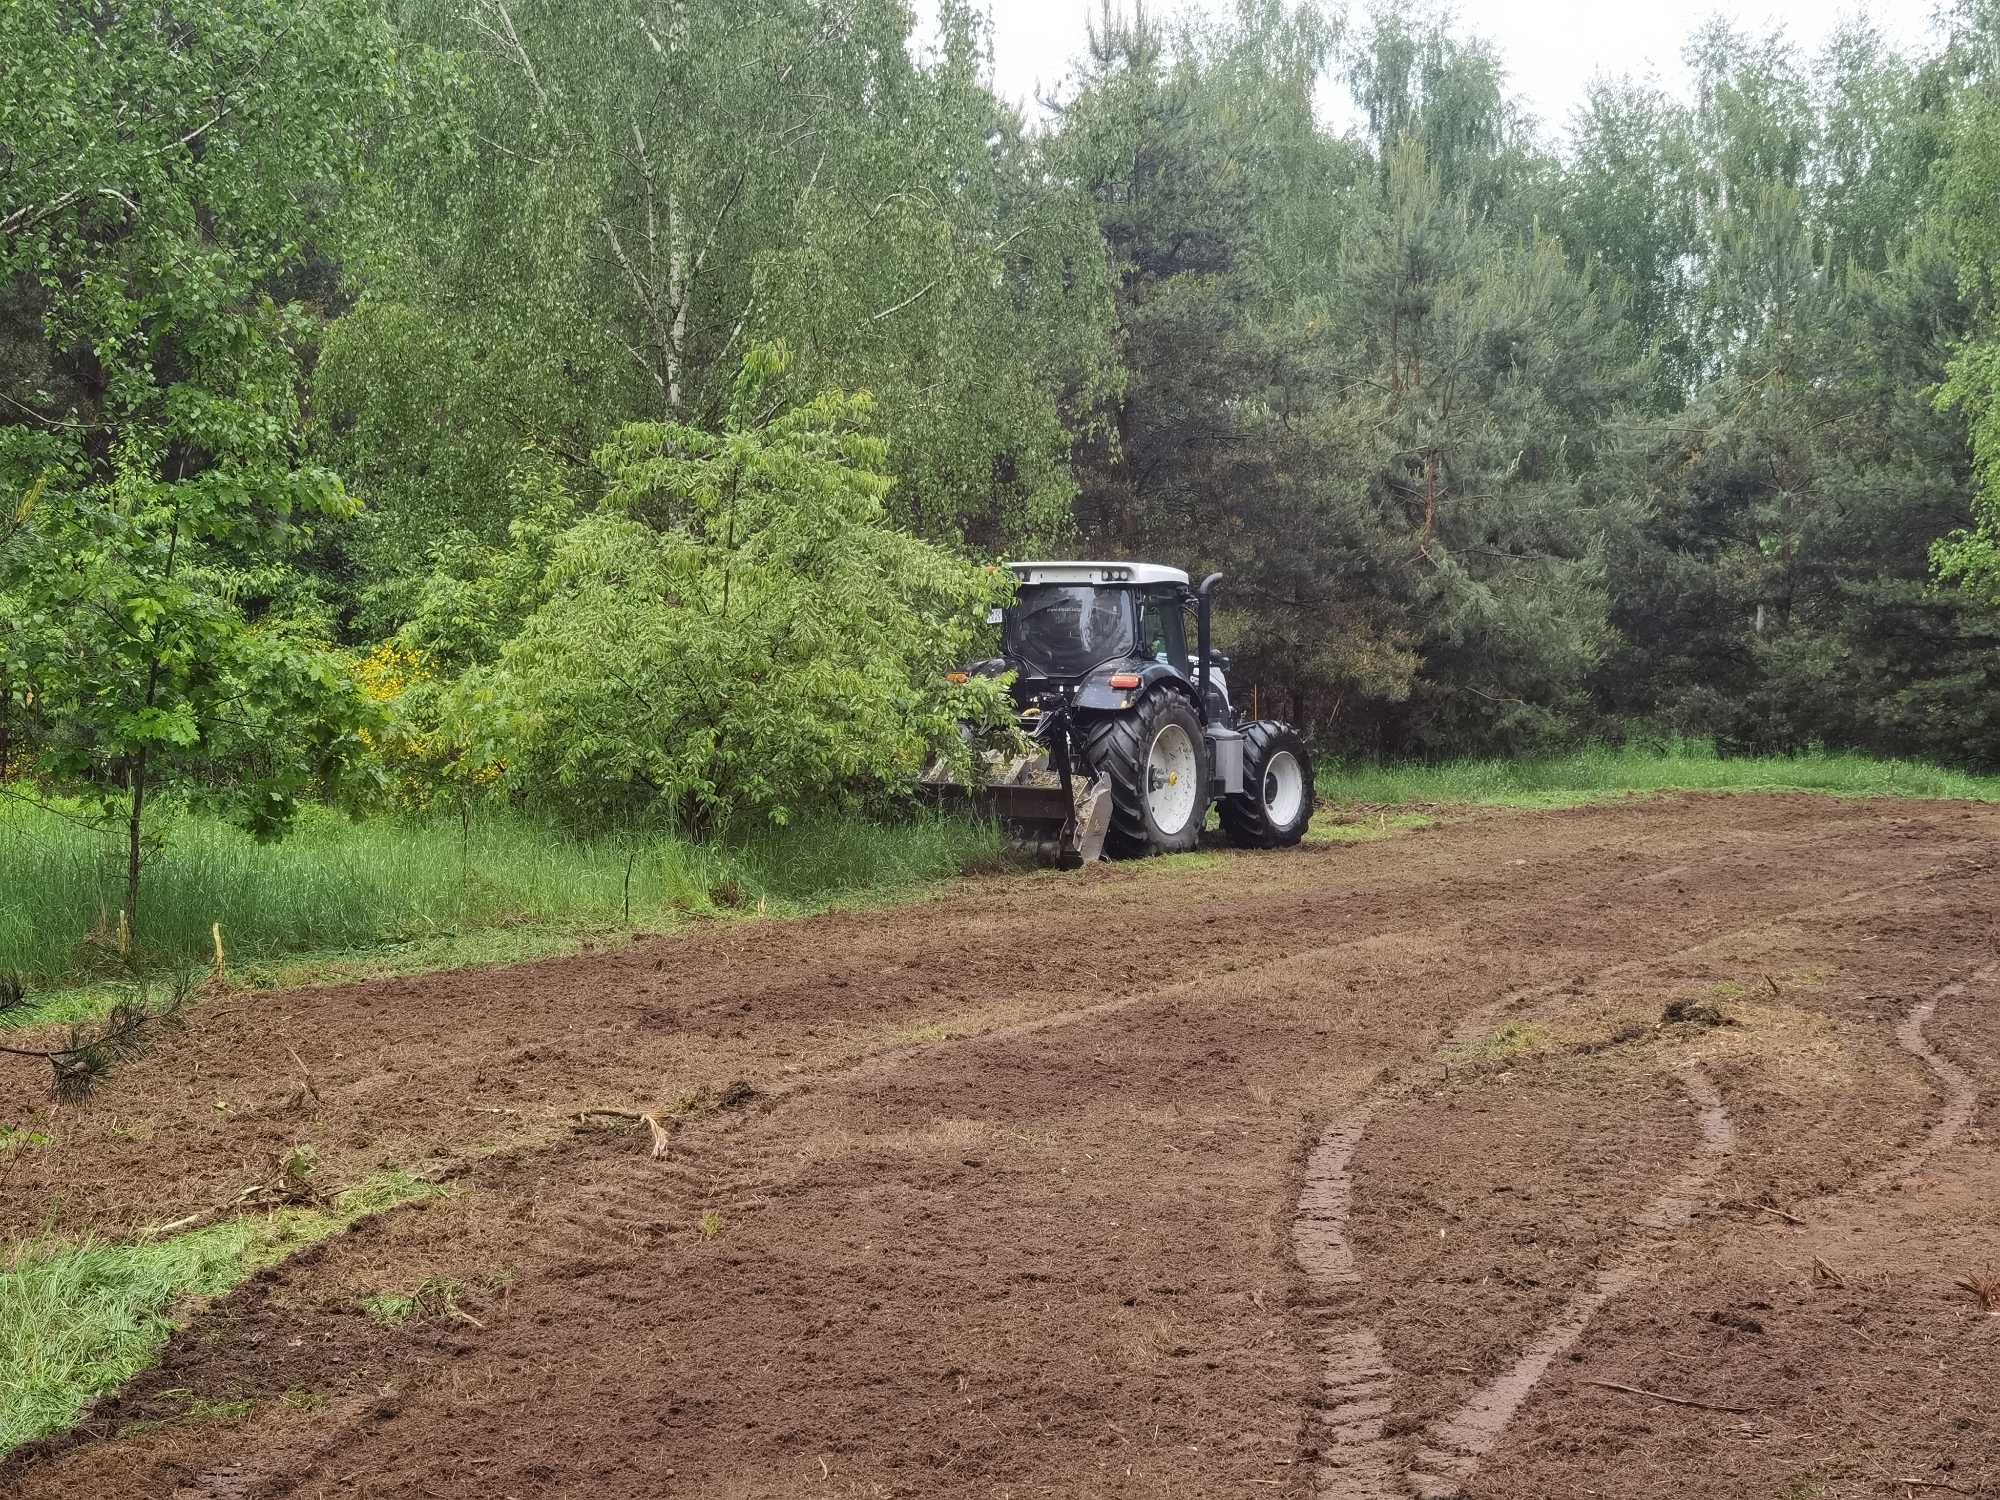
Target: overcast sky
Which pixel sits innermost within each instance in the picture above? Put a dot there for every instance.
(1552, 47)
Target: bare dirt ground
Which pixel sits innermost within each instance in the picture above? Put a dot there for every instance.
(1351, 1172)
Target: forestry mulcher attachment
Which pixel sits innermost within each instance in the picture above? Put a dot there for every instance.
(1128, 737)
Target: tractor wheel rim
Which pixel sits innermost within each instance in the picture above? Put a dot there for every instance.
(1284, 788)
(1171, 780)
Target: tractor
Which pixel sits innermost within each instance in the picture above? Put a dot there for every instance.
(1127, 738)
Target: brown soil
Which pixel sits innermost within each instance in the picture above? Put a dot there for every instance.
(1338, 1172)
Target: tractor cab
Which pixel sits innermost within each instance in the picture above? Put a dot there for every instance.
(1078, 624)
(1070, 617)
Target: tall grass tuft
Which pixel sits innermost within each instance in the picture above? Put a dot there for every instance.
(1599, 772)
(339, 884)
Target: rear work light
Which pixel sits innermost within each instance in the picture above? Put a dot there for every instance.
(1124, 681)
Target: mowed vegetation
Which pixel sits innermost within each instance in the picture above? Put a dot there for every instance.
(79, 1320)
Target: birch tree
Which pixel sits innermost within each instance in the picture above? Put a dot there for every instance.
(642, 191)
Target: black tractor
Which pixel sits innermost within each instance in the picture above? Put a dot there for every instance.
(1130, 735)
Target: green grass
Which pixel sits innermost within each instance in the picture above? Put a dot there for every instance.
(78, 1320)
(389, 895)
(434, 1297)
(1514, 1040)
(1364, 830)
(1599, 773)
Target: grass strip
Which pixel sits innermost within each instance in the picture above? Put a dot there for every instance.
(1600, 773)
(78, 1320)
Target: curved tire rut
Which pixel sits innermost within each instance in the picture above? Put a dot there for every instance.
(1961, 1097)
(1452, 1448)
(1358, 1459)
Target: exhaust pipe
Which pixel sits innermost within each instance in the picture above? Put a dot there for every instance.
(1203, 607)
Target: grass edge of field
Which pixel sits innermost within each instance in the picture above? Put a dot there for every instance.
(1360, 803)
(1597, 774)
(802, 873)
(80, 1318)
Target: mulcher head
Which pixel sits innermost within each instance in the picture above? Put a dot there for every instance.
(1026, 795)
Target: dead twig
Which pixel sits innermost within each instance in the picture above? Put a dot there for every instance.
(179, 1224)
(661, 1130)
(1764, 1208)
(1633, 1390)
(1825, 1275)
(1932, 1484)
(307, 1087)
(203, 1215)
(305, 1073)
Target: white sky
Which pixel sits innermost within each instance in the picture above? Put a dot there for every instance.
(1552, 48)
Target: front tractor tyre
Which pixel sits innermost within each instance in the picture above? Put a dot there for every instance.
(1157, 761)
(1276, 803)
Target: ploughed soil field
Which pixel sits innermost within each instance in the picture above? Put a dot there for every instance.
(1640, 1150)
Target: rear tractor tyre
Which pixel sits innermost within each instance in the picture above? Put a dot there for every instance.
(1157, 760)
(1276, 803)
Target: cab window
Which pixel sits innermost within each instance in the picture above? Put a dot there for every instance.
(1161, 632)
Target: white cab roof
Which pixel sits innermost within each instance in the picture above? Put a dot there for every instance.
(1097, 572)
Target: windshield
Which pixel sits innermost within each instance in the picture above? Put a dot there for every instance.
(1063, 630)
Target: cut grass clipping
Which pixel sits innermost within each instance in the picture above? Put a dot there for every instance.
(1600, 773)
(79, 1320)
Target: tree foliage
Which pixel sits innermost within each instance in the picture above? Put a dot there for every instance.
(165, 171)
(594, 211)
(738, 630)
(695, 362)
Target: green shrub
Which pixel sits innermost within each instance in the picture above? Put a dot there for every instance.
(737, 632)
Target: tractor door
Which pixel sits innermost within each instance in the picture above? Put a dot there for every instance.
(1162, 631)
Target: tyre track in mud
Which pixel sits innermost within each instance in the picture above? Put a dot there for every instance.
(1452, 1449)
(835, 1175)
(1859, 1369)
(713, 1167)
(1357, 1381)
(1358, 1459)
(1961, 1098)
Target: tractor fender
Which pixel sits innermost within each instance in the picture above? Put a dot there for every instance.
(1098, 695)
